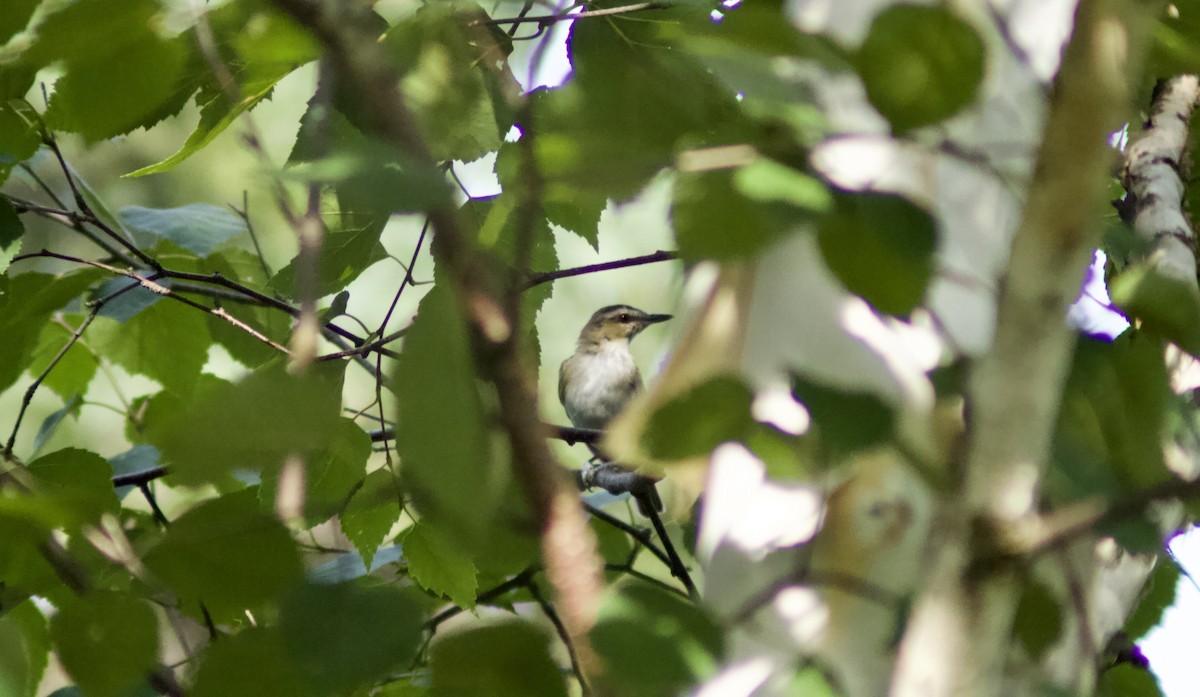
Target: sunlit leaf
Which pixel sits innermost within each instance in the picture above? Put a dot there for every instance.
(439, 567)
(371, 513)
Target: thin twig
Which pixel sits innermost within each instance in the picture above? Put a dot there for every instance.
(552, 615)
(586, 14)
(548, 276)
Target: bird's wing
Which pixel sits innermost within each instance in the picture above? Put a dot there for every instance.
(562, 382)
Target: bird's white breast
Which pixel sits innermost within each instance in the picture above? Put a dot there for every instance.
(600, 384)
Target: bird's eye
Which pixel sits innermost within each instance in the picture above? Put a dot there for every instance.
(623, 318)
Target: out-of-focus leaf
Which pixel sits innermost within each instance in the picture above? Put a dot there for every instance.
(881, 247)
(502, 659)
(845, 420)
(106, 641)
(20, 138)
(1038, 623)
(80, 480)
(11, 229)
(1166, 306)
(253, 425)
(227, 553)
(16, 15)
(715, 218)
(197, 227)
(811, 682)
(572, 208)
(1128, 681)
(330, 476)
(24, 650)
(371, 513)
(699, 420)
(51, 423)
(341, 637)
(920, 65)
(74, 371)
(1159, 595)
(250, 663)
(443, 433)
(439, 566)
(655, 643)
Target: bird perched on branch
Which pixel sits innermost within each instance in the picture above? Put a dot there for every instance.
(596, 382)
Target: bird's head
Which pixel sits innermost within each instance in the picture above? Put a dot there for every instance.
(617, 322)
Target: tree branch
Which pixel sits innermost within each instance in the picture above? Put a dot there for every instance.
(563, 16)
(548, 276)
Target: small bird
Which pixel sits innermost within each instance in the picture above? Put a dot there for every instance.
(596, 382)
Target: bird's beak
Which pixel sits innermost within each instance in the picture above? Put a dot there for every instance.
(655, 319)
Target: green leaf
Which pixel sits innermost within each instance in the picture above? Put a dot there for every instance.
(227, 553)
(1127, 681)
(654, 643)
(347, 250)
(845, 420)
(1166, 306)
(106, 641)
(811, 682)
(136, 459)
(11, 231)
(24, 650)
(443, 433)
(371, 513)
(16, 15)
(79, 480)
(439, 566)
(342, 637)
(26, 303)
(253, 425)
(197, 227)
(699, 420)
(510, 658)
(74, 371)
(1038, 623)
(920, 65)
(168, 342)
(329, 477)
(715, 219)
(881, 246)
(1159, 595)
(570, 207)
(20, 138)
(250, 663)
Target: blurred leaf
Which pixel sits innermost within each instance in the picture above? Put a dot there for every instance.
(1176, 45)
(78, 479)
(250, 663)
(443, 434)
(24, 650)
(252, 425)
(1166, 306)
(881, 246)
(227, 553)
(714, 218)
(371, 513)
(510, 658)
(846, 420)
(654, 643)
(439, 566)
(699, 420)
(11, 229)
(811, 682)
(106, 641)
(197, 227)
(1159, 595)
(20, 138)
(167, 342)
(575, 209)
(26, 303)
(341, 637)
(455, 80)
(614, 545)
(51, 423)
(74, 371)
(1127, 681)
(920, 65)
(329, 476)
(16, 15)
(1039, 619)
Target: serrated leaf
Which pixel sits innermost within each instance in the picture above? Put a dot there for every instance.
(227, 553)
(1159, 595)
(341, 637)
(11, 231)
(920, 65)
(881, 246)
(107, 642)
(371, 513)
(443, 434)
(167, 342)
(329, 476)
(699, 420)
(503, 659)
(439, 566)
(197, 227)
(26, 303)
(655, 643)
(250, 663)
(253, 425)
(1038, 623)
(20, 138)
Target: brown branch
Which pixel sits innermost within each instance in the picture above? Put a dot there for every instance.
(568, 546)
(548, 276)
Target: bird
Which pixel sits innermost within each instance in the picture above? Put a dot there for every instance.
(598, 380)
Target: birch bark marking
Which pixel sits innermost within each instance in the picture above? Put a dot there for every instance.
(1155, 168)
